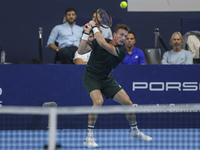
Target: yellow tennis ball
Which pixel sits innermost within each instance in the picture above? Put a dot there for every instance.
(123, 4)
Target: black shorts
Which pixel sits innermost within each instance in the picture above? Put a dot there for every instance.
(108, 87)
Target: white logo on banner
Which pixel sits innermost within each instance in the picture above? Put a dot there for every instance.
(166, 86)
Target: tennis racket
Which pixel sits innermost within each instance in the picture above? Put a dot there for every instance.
(103, 18)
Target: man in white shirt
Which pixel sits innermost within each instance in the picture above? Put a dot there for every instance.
(177, 55)
(194, 45)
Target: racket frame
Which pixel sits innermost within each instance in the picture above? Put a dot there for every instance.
(99, 23)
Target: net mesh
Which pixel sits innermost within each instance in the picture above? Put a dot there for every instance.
(23, 132)
(172, 128)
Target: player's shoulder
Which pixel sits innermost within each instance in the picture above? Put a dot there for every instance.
(93, 41)
(121, 49)
(108, 40)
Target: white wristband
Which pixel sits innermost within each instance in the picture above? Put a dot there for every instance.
(95, 30)
(85, 36)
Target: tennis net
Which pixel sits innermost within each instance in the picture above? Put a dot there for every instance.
(171, 126)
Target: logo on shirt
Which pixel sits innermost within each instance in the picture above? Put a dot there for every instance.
(136, 56)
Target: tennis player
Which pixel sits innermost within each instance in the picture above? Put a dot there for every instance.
(106, 55)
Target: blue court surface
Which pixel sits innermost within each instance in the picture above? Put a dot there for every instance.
(108, 139)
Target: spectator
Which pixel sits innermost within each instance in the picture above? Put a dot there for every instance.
(68, 36)
(134, 55)
(83, 59)
(177, 55)
(192, 43)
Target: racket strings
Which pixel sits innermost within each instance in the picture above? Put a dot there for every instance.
(104, 18)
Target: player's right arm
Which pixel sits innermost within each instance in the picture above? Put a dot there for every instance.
(83, 46)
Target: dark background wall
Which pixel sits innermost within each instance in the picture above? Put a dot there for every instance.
(20, 20)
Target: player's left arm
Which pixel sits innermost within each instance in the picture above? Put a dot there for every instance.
(107, 46)
(101, 41)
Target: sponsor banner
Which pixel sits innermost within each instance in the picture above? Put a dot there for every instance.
(33, 85)
(160, 84)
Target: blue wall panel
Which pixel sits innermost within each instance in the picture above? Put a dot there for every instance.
(32, 85)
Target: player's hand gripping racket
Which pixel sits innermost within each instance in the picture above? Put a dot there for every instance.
(103, 18)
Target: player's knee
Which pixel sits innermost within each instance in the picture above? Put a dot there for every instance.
(98, 102)
(128, 101)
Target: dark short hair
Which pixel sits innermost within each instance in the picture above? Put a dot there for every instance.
(131, 32)
(121, 26)
(91, 32)
(70, 9)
